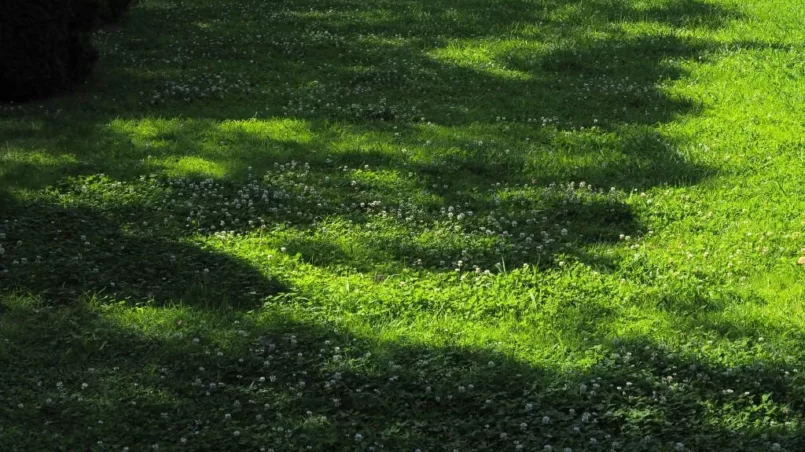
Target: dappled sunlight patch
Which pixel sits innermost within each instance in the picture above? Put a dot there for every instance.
(483, 56)
(191, 166)
(647, 29)
(25, 167)
(205, 148)
(149, 320)
(177, 325)
(142, 130)
(284, 130)
(14, 160)
(12, 156)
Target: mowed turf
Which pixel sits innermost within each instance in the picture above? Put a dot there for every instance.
(339, 225)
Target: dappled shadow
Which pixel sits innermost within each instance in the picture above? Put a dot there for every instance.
(402, 61)
(60, 253)
(447, 112)
(326, 216)
(397, 62)
(499, 234)
(289, 385)
(429, 92)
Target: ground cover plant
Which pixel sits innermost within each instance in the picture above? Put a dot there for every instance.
(538, 225)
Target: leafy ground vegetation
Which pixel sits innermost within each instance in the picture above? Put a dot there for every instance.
(538, 225)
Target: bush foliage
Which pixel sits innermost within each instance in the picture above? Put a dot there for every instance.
(46, 44)
(111, 11)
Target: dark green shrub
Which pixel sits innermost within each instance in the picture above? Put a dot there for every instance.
(98, 13)
(45, 46)
(82, 57)
(86, 14)
(113, 10)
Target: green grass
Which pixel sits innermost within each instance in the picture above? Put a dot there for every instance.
(406, 225)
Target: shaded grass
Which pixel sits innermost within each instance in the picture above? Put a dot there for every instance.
(297, 384)
(627, 175)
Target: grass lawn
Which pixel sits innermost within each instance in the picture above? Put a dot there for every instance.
(408, 225)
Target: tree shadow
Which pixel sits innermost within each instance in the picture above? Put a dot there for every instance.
(403, 64)
(325, 217)
(558, 222)
(61, 253)
(396, 74)
(368, 71)
(288, 384)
